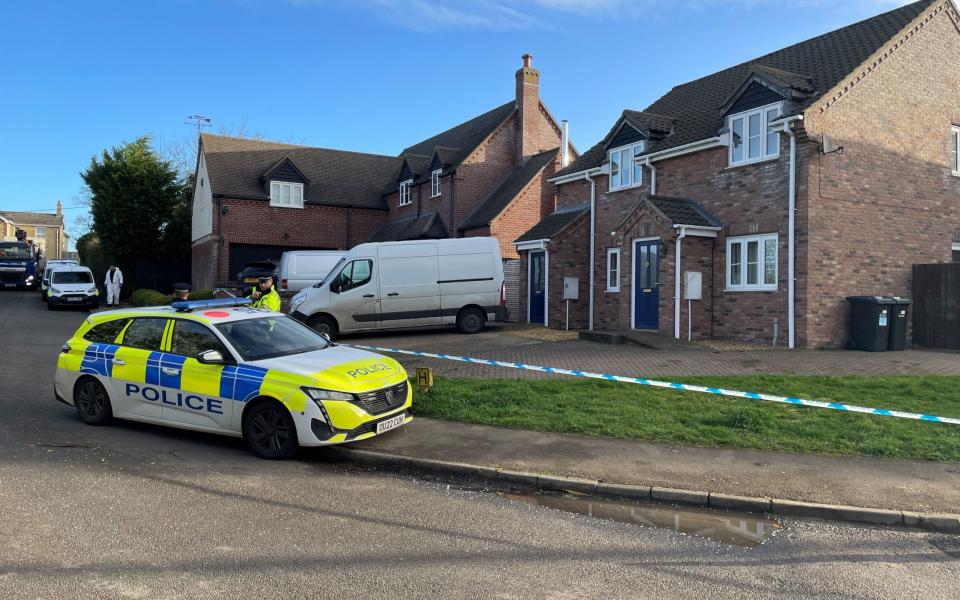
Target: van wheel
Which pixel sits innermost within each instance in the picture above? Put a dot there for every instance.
(323, 324)
(93, 403)
(270, 432)
(471, 320)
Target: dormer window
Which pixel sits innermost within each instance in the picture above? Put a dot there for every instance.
(435, 183)
(752, 139)
(286, 194)
(405, 192)
(625, 171)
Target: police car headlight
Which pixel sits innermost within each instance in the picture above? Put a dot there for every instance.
(93, 291)
(54, 291)
(317, 394)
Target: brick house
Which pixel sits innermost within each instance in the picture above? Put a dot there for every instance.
(46, 230)
(782, 185)
(486, 177)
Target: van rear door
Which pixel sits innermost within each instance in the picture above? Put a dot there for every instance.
(469, 274)
(409, 292)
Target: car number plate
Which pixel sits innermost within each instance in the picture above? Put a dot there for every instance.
(9, 285)
(389, 424)
(74, 299)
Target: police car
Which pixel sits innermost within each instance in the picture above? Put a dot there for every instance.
(223, 367)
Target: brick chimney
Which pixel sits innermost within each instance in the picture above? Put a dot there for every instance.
(59, 208)
(528, 108)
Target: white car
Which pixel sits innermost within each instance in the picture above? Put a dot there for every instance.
(223, 367)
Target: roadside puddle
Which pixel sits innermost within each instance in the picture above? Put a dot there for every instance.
(728, 528)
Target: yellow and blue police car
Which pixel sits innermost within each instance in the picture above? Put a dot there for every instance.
(223, 367)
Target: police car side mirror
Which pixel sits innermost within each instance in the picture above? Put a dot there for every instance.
(211, 357)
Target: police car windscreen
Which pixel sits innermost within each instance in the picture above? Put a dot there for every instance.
(65, 277)
(269, 337)
(15, 251)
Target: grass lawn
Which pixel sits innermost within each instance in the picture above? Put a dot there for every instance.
(621, 410)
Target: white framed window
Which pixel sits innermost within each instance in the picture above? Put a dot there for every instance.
(752, 139)
(752, 263)
(625, 172)
(40, 232)
(286, 194)
(954, 148)
(435, 183)
(405, 192)
(613, 269)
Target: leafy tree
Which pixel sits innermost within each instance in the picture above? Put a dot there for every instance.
(133, 197)
(93, 256)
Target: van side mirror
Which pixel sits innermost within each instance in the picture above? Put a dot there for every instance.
(335, 286)
(211, 357)
(46, 282)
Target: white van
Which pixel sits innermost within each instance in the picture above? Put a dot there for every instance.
(53, 263)
(303, 268)
(71, 285)
(423, 283)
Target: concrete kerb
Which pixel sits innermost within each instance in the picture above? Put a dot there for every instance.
(945, 523)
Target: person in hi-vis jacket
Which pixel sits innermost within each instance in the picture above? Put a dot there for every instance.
(113, 282)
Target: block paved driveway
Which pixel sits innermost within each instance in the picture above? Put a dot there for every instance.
(559, 349)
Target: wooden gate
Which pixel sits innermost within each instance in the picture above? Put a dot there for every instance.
(936, 306)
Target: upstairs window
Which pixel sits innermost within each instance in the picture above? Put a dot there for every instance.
(625, 171)
(752, 139)
(286, 195)
(435, 183)
(752, 263)
(954, 147)
(42, 231)
(405, 192)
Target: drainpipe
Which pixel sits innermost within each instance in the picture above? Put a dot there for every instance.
(593, 222)
(791, 226)
(564, 144)
(682, 233)
(653, 177)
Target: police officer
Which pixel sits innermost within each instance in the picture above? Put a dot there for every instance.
(181, 292)
(266, 296)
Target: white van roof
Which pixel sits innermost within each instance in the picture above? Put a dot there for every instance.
(444, 246)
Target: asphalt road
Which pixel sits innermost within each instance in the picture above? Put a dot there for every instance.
(135, 511)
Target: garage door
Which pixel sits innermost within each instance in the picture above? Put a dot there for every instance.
(241, 254)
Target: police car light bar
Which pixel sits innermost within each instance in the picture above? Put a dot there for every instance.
(189, 305)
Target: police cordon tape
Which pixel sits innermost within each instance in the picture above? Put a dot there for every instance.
(669, 385)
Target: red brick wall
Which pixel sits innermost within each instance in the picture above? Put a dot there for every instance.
(256, 222)
(889, 200)
(204, 263)
(531, 205)
(420, 196)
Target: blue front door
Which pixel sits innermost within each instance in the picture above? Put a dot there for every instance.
(646, 285)
(537, 284)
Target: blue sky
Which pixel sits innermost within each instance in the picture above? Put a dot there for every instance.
(364, 75)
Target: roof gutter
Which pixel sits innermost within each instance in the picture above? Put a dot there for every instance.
(579, 175)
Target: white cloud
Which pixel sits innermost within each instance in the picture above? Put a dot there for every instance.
(427, 15)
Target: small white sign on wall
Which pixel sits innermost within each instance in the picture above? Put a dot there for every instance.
(692, 285)
(571, 288)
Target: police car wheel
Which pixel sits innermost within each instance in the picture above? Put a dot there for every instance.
(471, 320)
(93, 403)
(323, 324)
(270, 432)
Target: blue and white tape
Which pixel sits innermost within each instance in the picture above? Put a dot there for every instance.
(675, 386)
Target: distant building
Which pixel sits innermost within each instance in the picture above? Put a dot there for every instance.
(46, 230)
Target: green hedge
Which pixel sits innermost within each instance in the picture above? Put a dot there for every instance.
(148, 298)
(155, 298)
